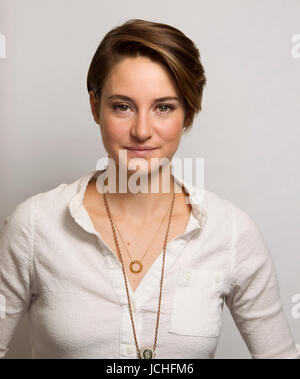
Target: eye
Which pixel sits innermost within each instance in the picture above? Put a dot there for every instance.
(166, 107)
(118, 106)
(123, 108)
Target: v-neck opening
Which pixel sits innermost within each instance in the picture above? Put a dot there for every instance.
(160, 257)
(196, 221)
(134, 293)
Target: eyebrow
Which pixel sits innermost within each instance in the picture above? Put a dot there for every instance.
(126, 98)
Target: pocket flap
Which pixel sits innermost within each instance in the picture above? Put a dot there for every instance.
(202, 278)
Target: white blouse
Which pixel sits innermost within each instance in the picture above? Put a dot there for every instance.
(55, 266)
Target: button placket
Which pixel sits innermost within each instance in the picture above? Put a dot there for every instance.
(128, 348)
(128, 351)
(133, 307)
(127, 342)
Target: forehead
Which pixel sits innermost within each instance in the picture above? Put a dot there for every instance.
(140, 77)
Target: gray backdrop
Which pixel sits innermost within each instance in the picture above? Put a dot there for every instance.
(248, 131)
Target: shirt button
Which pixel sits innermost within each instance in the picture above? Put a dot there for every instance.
(217, 279)
(129, 350)
(186, 278)
(133, 308)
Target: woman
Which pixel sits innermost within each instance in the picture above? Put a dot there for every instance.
(136, 273)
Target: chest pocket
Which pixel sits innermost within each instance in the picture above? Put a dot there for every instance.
(197, 305)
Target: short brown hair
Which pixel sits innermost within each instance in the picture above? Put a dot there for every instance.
(160, 42)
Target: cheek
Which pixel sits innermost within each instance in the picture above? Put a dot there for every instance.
(170, 130)
(117, 129)
(113, 130)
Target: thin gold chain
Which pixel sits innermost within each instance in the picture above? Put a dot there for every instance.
(124, 274)
(151, 240)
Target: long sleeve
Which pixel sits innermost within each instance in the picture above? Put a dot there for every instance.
(15, 270)
(254, 300)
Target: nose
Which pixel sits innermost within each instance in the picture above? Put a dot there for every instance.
(142, 128)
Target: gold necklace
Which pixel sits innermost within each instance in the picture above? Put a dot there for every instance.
(145, 352)
(136, 261)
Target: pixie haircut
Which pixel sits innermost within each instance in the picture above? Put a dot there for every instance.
(161, 43)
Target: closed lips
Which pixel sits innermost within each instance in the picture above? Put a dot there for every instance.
(141, 148)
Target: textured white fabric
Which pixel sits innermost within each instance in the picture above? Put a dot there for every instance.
(55, 266)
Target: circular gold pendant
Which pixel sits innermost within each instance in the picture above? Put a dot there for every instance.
(139, 269)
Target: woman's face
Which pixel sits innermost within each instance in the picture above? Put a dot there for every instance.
(139, 119)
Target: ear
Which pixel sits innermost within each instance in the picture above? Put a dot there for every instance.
(95, 106)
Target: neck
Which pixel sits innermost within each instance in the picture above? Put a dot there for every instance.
(145, 198)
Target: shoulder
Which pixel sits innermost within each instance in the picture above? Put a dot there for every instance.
(17, 231)
(60, 196)
(231, 226)
(247, 238)
(219, 207)
(225, 216)
(218, 210)
(19, 221)
(47, 202)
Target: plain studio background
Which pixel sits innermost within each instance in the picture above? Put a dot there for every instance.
(247, 133)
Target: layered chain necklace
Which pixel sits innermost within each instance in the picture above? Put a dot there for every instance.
(144, 352)
(136, 266)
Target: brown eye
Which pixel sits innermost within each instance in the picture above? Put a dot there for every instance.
(165, 108)
(120, 107)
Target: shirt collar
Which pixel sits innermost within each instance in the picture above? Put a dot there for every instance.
(78, 212)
